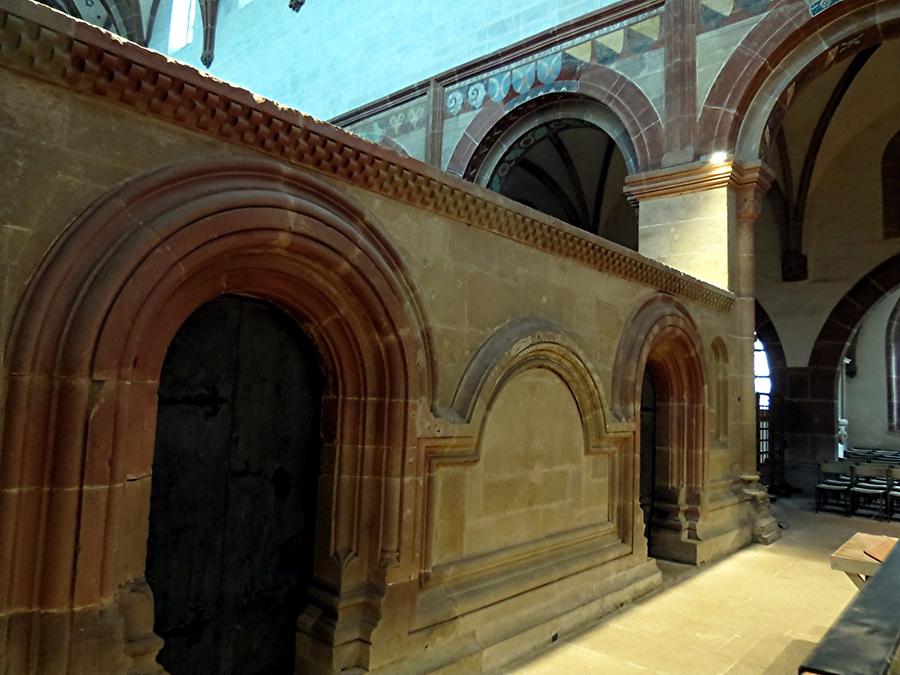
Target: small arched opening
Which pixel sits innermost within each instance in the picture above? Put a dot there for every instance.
(567, 158)
(572, 170)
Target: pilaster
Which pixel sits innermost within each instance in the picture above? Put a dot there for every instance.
(681, 81)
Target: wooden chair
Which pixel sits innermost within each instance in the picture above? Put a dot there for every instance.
(834, 485)
(871, 485)
(893, 496)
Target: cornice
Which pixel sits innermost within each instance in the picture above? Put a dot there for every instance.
(51, 46)
(697, 177)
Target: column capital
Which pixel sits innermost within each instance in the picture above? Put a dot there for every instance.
(751, 182)
(744, 178)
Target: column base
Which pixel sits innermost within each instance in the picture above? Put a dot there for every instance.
(765, 525)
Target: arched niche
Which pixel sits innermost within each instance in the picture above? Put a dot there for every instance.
(660, 337)
(526, 364)
(84, 358)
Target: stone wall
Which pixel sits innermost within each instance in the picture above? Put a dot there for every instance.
(312, 60)
(866, 392)
(483, 366)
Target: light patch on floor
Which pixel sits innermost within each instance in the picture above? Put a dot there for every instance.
(761, 610)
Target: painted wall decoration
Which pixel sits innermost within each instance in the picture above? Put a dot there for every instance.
(402, 126)
(549, 70)
(819, 6)
(715, 14)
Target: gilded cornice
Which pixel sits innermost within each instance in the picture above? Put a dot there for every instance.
(49, 45)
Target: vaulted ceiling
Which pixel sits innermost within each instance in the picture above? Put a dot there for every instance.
(796, 149)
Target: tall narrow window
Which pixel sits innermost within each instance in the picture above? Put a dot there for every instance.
(761, 378)
(181, 27)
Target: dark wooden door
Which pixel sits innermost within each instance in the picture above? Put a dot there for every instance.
(234, 480)
(648, 451)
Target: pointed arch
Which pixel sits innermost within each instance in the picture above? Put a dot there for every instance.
(834, 337)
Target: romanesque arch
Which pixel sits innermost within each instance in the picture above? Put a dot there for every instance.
(754, 86)
(599, 84)
(83, 363)
(834, 338)
(661, 337)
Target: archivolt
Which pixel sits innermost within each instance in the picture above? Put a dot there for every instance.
(90, 336)
(534, 343)
(662, 336)
(629, 117)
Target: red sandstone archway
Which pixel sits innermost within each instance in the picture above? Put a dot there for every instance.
(83, 363)
(783, 52)
(596, 83)
(662, 336)
(832, 341)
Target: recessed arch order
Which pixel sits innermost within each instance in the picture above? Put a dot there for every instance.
(610, 100)
(87, 346)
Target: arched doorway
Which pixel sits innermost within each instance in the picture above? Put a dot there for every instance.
(232, 506)
(671, 464)
(658, 382)
(101, 337)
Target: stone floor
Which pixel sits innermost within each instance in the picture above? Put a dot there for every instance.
(760, 610)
